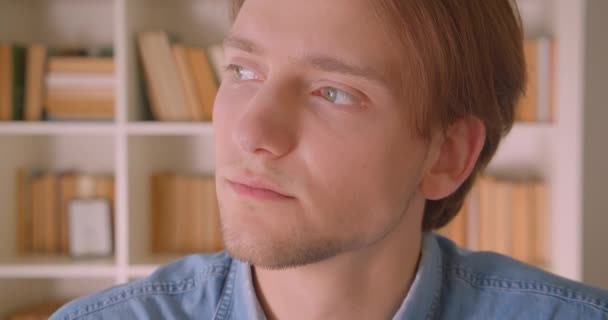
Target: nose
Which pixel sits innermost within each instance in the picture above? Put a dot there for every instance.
(268, 124)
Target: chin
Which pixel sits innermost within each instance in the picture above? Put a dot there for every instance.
(279, 252)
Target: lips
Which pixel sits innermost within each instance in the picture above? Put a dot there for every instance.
(258, 187)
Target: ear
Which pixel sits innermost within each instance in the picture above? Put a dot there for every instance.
(452, 158)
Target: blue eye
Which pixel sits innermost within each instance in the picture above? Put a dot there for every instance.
(337, 96)
(241, 73)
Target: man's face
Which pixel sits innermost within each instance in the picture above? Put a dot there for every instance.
(311, 104)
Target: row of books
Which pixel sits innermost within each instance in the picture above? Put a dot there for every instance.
(505, 216)
(42, 83)
(43, 199)
(180, 81)
(537, 104)
(184, 213)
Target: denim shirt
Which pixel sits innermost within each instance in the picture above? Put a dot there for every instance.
(451, 283)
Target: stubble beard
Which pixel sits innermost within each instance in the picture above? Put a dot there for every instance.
(295, 248)
(292, 251)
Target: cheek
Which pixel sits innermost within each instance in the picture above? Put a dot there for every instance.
(361, 185)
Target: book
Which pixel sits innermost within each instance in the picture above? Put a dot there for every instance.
(34, 90)
(216, 55)
(214, 216)
(163, 84)
(36, 201)
(184, 213)
(204, 78)
(156, 211)
(12, 82)
(50, 216)
(70, 64)
(22, 243)
(44, 217)
(185, 70)
(67, 192)
(80, 104)
(181, 226)
(486, 215)
(523, 222)
(537, 102)
(540, 223)
(73, 80)
(503, 230)
(5, 82)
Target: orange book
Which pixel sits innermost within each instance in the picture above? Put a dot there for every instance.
(527, 108)
(541, 221)
(67, 193)
(214, 216)
(163, 214)
(50, 214)
(104, 188)
(34, 88)
(181, 225)
(502, 217)
(76, 64)
(156, 210)
(36, 202)
(187, 80)
(198, 214)
(23, 221)
(204, 79)
(523, 242)
(6, 82)
(87, 109)
(86, 103)
(486, 214)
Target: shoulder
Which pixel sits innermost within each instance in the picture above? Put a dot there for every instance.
(182, 289)
(498, 285)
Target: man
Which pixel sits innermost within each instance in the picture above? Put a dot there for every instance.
(346, 131)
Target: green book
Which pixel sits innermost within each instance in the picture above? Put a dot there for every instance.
(18, 77)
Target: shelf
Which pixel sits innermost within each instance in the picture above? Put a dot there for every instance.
(148, 264)
(142, 270)
(170, 128)
(56, 267)
(525, 151)
(41, 128)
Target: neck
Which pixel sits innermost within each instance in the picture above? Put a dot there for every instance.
(367, 283)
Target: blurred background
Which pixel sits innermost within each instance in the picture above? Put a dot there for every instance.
(107, 155)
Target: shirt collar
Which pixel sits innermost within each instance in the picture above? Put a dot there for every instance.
(423, 297)
(421, 301)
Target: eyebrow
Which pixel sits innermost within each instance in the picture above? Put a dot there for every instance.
(316, 61)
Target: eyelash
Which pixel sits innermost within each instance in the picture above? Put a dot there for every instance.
(233, 69)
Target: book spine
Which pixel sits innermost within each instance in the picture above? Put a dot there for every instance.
(36, 56)
(19, 55)
(6, 82)
(23, 232)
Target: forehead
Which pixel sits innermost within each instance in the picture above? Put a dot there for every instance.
(347, 29)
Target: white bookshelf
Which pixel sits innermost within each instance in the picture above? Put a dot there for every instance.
(131, 148)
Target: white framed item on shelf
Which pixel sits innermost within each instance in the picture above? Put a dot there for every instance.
(90, 228)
